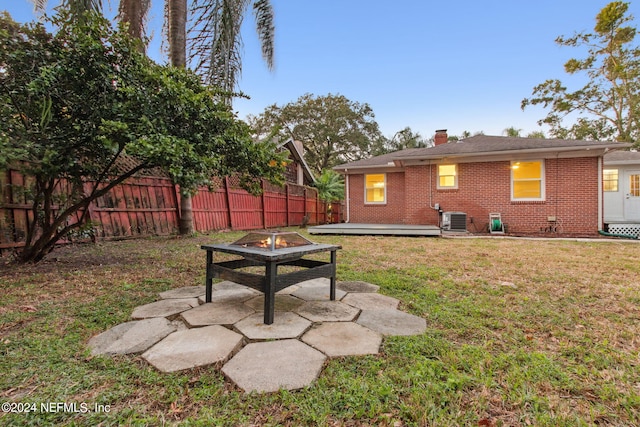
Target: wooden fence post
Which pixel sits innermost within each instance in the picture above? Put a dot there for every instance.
(305, 202)
(264, 205)
(228, 196)
(176, 200)
(286, 190)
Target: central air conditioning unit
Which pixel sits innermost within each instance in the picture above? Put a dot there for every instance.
(454, 221)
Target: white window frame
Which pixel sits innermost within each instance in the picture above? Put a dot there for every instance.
(617, 180)
(455, 177)
(384, 202)
(541, 179)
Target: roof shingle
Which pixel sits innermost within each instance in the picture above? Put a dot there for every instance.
(482, 145)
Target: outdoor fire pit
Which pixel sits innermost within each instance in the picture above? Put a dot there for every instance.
(271, 249)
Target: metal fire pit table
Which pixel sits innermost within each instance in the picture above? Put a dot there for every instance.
(270, 250)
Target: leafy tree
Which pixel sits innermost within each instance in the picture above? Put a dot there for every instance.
(332, 128)
(214, 43)
(607, 106)
(83, 110)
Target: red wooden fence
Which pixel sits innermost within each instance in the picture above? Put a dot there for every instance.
(144, 206)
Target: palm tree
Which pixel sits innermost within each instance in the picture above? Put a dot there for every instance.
(536, 134)
(215, 47)
(512, 132)
(330, 186)
(76, 7)
(216, 42)
(134, 12)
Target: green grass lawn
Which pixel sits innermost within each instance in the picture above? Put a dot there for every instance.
(519, 332)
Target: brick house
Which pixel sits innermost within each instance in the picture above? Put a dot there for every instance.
(536, 185)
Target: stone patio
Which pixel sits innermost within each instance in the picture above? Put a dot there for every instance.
(181, 332)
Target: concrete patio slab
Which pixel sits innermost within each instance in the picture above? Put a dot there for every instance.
(337, 339)
(186, 292)
(327, 311)
(392, 322)
(357, 286)
(193, 347)
(164, 308)
(131, 337)
(284, 302)
(370, 301)
(285, 325)
(274, 365)
(216, 313)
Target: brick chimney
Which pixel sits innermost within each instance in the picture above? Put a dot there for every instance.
(441, 137)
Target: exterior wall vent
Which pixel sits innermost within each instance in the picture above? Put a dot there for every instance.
(454, 221)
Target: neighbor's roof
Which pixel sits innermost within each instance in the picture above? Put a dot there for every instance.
(482, 145)
(298, 155)
(622, 157)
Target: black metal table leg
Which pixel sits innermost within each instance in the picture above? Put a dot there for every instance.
(209, 280)
(270, 292)
(332, 279)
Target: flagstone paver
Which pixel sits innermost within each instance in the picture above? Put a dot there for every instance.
(164, 308)
(317, 293)
(283, 303)
(371, 301)
(392, 322)
(274, 365)
(186, 292)
(285, 325)
(343, 339)
(230, 292)
(193, 347)
(131, 337)
(216, 313)
(327, 311)
(357, 286)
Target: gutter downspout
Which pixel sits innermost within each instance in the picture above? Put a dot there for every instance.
(431, 186)
(347, 194)
(600, 195)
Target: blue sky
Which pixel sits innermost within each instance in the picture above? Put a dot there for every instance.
(461, 65)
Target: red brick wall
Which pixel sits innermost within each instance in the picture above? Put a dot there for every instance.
(571, 195)
(359, 212)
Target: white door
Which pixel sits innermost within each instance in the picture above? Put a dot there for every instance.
(632, 196)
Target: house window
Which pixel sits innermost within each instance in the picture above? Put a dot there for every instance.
(375, 188)
(634, 185)
(447, 176)
(527, 180)
(610, 179)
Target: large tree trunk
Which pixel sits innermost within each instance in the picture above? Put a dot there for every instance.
(177, 11)
(177, 32)
(134, 13)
